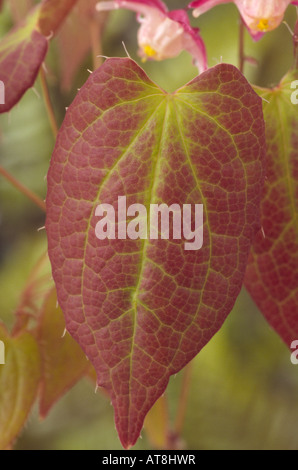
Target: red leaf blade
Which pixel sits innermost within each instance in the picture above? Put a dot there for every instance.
(142, 309)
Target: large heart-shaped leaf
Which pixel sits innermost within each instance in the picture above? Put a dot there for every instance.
(142, 308)
(272, 272)
(19, 380)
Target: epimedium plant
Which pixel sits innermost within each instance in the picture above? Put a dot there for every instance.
(142, 308)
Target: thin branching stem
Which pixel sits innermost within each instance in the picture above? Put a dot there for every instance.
(23, 189)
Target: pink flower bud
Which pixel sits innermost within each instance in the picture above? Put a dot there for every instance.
(259, 16)
(162, 34)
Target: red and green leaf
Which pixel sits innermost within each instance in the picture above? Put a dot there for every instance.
(272, 271)
(142, 309)
(63, 362)
(22, 51)
(19, 380)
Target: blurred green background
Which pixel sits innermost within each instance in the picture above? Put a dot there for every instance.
(244, 389)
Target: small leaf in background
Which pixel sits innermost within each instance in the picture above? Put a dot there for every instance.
(272, 271)
(63, 362)
(19, 9)
(22, 52)
(19, 381)
(88, 24)
(142, 309)
(23, 49)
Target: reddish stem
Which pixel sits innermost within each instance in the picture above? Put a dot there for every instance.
(241, 46)
(27, 192)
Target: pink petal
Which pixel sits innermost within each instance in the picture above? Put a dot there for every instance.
(152, 3)
(201, 6)
(193, 42)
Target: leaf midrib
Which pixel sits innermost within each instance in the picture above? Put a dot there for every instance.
(143, 258)
(102, 184)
